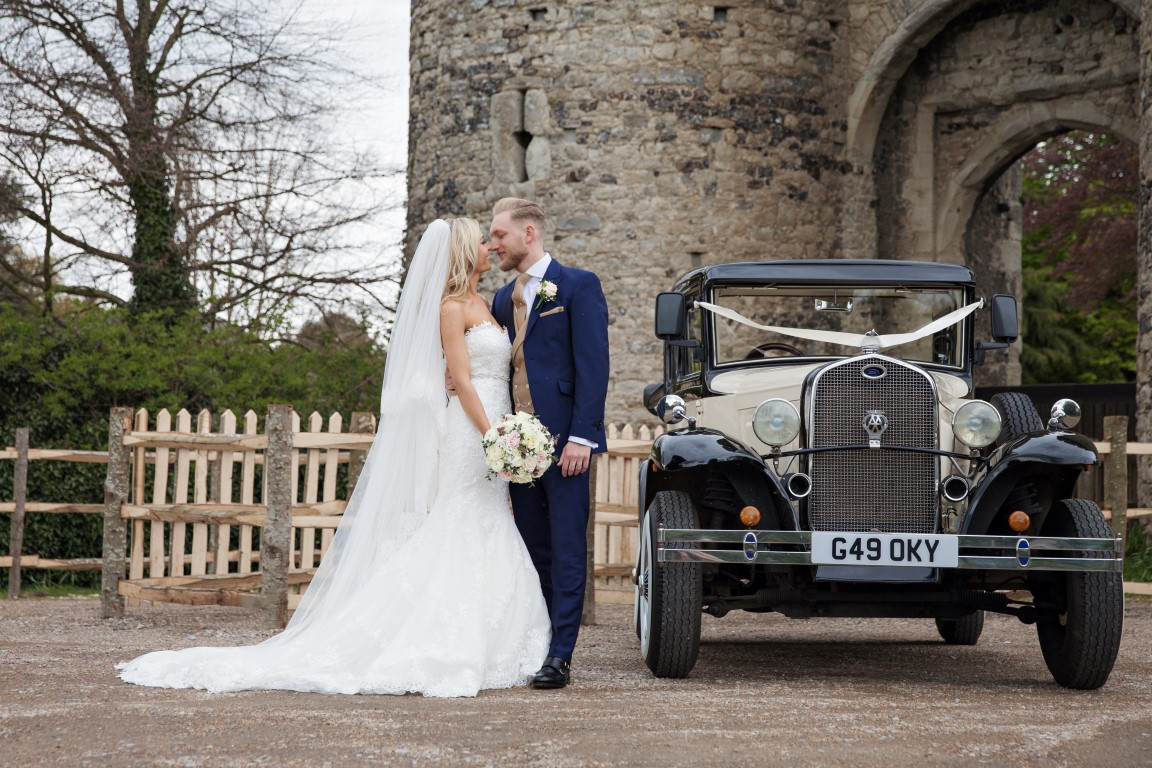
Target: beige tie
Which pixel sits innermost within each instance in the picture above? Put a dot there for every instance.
(520, 394)
(518, 300)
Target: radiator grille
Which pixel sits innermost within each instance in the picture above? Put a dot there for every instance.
(873, 490)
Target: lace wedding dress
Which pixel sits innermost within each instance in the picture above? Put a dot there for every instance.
(454, 609)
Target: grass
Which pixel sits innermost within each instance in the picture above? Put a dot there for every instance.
(1137, 555)
(54, 584)
(57, 590)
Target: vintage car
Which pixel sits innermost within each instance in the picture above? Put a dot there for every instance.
(833, 462)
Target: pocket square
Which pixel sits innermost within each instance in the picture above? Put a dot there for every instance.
(551, 311)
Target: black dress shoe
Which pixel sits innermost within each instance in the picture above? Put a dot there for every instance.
(554, 674)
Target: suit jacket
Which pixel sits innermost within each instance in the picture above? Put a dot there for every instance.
(566, 353)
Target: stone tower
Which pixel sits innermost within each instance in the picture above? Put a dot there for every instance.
(662, 135)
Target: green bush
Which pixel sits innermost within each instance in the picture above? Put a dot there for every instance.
(60, 376)
(1137, 555)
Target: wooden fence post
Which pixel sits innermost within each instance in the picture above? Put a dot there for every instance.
(20, 497)
(276, 538)
(115, 527)
(362, 422)
(589, 614)
(1116, 472)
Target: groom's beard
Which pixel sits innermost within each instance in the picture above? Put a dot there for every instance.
(512, 262)
(512, 255)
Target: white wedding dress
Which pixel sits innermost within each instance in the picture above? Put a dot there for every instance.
(455, 609)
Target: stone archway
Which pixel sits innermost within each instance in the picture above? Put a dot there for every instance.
(891, 59)
(1017, 131)
(971, 86)
(1050, 108)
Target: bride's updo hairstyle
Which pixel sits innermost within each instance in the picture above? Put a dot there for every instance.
(464, 250)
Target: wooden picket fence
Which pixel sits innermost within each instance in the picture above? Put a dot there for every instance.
(195, 509)
(20, 507)
(227, 516)
(200, 545)
(218, 512)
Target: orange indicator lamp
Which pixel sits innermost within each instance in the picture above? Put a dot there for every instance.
(1019, 521)
(749, 516)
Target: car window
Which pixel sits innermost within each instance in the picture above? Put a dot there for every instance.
(687, 361)
(852, 309)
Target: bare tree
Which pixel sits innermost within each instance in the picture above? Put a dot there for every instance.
(185, 147)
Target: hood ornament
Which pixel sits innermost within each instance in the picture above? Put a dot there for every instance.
(875, 423)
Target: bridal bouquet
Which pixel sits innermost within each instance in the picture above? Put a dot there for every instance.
(518, 448)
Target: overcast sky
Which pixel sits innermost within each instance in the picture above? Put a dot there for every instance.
(378, 39)
(377, 116)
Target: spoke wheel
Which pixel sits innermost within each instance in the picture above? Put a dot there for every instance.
(1081, 642)
(669, 596)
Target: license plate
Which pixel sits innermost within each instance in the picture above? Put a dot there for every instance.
(830, 548)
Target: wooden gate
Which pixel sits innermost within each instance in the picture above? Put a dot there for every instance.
(222, 513)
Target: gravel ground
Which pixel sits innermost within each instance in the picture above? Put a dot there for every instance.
(766, 691)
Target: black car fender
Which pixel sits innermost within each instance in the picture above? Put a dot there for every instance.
(1056, 457)
(682, 460)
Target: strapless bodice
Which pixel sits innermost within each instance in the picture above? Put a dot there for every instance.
(489, 351)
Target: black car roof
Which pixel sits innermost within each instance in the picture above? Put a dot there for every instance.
(889, 271)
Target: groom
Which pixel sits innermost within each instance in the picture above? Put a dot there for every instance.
(557, 319)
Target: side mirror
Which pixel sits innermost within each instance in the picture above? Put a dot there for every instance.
(1005, 318)
(653, 393)
(1005, 326)
(671, 315)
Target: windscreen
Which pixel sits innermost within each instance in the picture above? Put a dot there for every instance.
(852, 309)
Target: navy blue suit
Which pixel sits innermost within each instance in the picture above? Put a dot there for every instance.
(566, 355)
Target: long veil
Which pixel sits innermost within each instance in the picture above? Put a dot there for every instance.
(398, 482)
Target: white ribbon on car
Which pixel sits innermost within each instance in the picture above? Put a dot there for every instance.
(858, 340)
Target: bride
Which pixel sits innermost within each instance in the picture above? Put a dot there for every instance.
(427, 586)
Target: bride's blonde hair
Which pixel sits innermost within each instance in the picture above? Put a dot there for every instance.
(464, 250)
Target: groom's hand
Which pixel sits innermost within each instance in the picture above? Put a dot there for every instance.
(449, 385)
(574, 459)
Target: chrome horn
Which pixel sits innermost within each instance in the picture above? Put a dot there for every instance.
(671, 409)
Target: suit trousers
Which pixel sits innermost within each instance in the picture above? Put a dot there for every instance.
(552, 516)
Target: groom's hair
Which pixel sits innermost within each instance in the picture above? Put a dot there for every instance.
(521, 210)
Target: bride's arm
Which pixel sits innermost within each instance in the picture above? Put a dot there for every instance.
(453, 324)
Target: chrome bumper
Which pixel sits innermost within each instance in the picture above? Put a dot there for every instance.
(1110, 561)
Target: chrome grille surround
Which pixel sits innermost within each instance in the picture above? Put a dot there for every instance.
(873, 489)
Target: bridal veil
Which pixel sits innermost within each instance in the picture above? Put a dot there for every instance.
(398, 482)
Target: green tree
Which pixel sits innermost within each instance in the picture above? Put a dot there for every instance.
(185, 145)
(1079, 259)
(59, 376)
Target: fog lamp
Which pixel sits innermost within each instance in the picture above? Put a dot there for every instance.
(976, 424)
(750, 516)
(1019, 521)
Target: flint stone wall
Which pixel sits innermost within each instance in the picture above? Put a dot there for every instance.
(660, 136)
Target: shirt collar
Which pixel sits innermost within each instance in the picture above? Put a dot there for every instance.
(540, 268)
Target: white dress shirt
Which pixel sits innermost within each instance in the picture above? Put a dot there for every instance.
(535, 274)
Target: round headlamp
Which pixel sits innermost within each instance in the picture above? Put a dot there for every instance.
(976, 424)
(776, 422)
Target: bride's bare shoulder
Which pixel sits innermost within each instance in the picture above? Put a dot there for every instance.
(453, 316)
(452, 307)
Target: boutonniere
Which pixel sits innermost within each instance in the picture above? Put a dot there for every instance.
(545, 293)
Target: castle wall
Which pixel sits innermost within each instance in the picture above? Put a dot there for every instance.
(658, 136)
(664, 135)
